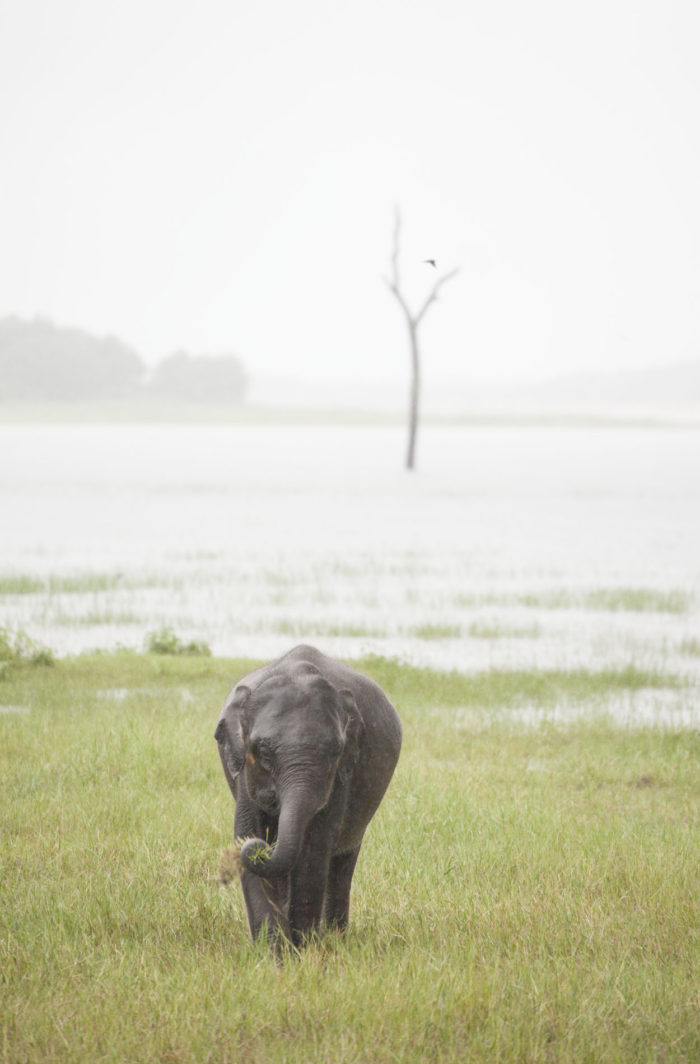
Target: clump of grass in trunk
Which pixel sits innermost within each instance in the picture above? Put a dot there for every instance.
(231, 864)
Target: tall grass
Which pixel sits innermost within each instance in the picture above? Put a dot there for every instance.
(522, 895)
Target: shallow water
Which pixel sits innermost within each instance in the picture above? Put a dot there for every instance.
(254, 537)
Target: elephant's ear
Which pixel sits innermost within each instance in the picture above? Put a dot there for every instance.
(229, 736)
(239, 704)
(353, 728)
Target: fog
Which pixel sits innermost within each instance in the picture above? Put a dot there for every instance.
(223, 178)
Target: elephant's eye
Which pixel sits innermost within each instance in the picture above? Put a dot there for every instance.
(261, 756)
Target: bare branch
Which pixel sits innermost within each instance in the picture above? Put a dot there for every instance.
(395, 249)
(394, 283)
(434, 293)
(395, 291)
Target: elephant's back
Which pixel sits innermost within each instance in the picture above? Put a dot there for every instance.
(379, 716)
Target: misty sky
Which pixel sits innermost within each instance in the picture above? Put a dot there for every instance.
(221, 176)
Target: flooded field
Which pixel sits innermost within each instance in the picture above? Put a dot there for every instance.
(519, 548)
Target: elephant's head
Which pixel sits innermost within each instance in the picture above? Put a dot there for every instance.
(286, 742)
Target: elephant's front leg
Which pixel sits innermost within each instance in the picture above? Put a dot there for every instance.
(308, 881)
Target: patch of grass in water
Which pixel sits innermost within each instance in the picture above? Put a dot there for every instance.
(95, 618)
(630, 599)
(166, 641)
(297, 628)
(559, 599)
(17, 648)
(20, 584)
(639, 600)
(435, 631)
(496, 630)
(77, 583)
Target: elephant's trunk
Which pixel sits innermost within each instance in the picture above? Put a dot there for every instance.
(272, 862)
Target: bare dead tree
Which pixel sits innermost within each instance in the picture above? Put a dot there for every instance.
(413, 320)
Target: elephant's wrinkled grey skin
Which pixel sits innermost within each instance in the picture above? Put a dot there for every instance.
(308, 747)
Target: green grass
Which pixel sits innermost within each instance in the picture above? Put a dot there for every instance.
(298, 628)
(476, 630)
(630, 599)
(166, 641)
(524, 894)
(93, 618)
(496, 630)
(611, 600)
(17, 648)
(20, 584)
(435, 631)
(639, 600)
(75, 583)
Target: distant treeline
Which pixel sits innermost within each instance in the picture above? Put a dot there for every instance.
(40, 361)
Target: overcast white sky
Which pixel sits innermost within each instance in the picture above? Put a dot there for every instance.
(222, 175)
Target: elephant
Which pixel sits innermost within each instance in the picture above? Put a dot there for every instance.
(308, 747)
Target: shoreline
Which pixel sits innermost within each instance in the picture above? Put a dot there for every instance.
(135, 412)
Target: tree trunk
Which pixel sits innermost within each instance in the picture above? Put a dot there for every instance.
(414, 399)
(413, 320)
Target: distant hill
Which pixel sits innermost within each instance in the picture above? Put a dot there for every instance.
(42, 362)
(52, 366)
(199, 379)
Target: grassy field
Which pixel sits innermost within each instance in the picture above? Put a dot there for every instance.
(524, 894)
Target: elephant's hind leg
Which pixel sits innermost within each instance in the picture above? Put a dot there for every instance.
(337, 908)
